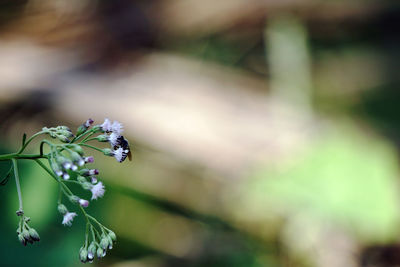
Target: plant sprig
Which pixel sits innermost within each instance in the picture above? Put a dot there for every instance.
(67, 164)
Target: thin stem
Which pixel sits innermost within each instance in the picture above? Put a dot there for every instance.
(20, 210)
(59, 194)
(86, 138)
(81, 135)
(21, 156)
(92, 147)
(72, 181)
(45, 142)
(96, 221)
(29, 140)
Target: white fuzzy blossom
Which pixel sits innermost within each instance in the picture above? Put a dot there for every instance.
(97, 190)
(68, 218)
(113, 138)
(106, 126)
(117, 128)
(119, 154)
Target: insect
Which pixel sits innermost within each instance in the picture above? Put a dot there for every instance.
(124, 144)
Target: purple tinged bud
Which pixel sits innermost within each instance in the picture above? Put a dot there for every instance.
(89, 159)
(94, 172)
(83, 202)
(93, 179)
(66, 176)
(88, 123)
(74, 167)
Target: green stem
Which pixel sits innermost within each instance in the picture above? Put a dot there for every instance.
(92, 147)
(29, 140)
(86, 138)
(20, 210)
(81, 135)
(21, 156)
(45, 142)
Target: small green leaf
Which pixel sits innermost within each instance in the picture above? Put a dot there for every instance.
(6, 178)
(23, 139)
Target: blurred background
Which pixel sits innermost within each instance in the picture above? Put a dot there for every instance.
(264, 132)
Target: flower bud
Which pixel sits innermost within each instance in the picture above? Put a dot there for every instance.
(26, 234)
(89, 159)
(100, 252)
(81, 129)
(77, 148)
(93, 179)
(104, 242)
(97, 128)
(34, 235)
(81, 179)
(83, 253)
(108, 152)
(74, 199)
(110, 243)
(22, 239)
(83, 202)
(91, 251)
(63, 138)
(62, 209)
(87, 186)
(102, 138)
(112, 235)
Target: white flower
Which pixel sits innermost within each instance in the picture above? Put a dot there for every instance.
(119, 154)
(68, 218)
(106, 126)
(117, 128)
(113, 138)
(97, 190)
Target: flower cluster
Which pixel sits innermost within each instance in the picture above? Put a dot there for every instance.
(26, 234)
(69, 163)
(119, 145)
(99, 246)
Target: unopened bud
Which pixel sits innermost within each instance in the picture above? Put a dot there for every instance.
(62, 209)
(104, 242)
(102, 138)
(112, 235)
(22, 239)
(63, 138)
(83, 202)
(74, 199)
(100, 252)
(87, 186)
(81, 179)
(83, 254)
(34, 235)
(91, 251)
(108, 152)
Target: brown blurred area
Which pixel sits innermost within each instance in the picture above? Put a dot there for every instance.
(211, 92)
